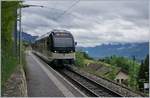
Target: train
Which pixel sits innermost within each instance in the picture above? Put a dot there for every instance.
(56, 47)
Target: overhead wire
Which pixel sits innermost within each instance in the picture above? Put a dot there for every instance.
(66, 11)
(76, 2)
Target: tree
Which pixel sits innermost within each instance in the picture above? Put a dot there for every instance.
(127, 64)
(133, 74)
(87, 56)
(79, 59)
(146, 65)
(143, 75)
(118, 61)
(113, 74)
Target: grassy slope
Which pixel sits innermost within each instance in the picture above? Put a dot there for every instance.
(109, 70)
(102, 69)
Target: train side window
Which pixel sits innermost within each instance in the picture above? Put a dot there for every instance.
(49, 43)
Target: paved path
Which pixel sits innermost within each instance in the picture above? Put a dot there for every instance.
(43, 81)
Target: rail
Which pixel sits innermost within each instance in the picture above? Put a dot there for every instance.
(113, 88)
(89, 86)
(125, 91)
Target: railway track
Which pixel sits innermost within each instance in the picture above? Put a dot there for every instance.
(88, 86)
(93, 88)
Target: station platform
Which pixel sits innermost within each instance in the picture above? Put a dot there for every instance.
(43, 81)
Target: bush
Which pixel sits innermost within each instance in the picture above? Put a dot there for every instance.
(130, 65)
(79, 59)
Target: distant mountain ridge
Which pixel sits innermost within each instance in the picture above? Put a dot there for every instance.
(139, 50)
(28, 38)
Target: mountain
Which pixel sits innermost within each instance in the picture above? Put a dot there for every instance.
(139, 50)
(27, 37)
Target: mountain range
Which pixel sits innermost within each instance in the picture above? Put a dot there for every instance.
(28, 38)
(139, 50)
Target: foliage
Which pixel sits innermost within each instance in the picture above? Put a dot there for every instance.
(79, 59)
(133, 74)
(127, 64)
(83, 61)
(146, 66)
(86, 56)
(8, 18)
(143, 73)
(118, 61)
(112, 74)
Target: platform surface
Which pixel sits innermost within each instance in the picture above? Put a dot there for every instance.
(43, 81)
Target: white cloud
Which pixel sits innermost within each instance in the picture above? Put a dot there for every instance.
(91, 22)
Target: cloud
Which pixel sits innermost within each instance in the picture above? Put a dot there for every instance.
(91, 22)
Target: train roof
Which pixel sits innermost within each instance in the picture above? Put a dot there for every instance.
(43, 36)
(48, 33)
(56, 30)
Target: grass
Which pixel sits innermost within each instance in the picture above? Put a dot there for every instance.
(107, 74)
(86, 61)
(9, 64)
(105, 64)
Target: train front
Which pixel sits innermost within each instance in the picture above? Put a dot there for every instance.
(63, 46)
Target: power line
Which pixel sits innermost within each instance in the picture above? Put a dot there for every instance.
(81, 18)
(67, 10)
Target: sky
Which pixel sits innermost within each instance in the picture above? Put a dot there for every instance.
(92, 22)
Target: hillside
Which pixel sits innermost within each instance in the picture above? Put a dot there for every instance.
(27, 37)
(139, 50)
(95, 67)
(109, 70)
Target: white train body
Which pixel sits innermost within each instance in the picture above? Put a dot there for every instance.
(56, 45)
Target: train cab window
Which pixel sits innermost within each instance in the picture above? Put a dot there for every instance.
(63, 42)
(60, 34)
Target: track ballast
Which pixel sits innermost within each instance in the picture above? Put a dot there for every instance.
(90, 87)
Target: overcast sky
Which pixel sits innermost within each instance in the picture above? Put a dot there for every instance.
(92, 22)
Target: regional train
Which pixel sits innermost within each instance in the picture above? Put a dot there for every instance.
(56, 46)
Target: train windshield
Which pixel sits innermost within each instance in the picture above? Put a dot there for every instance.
(63, 42)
